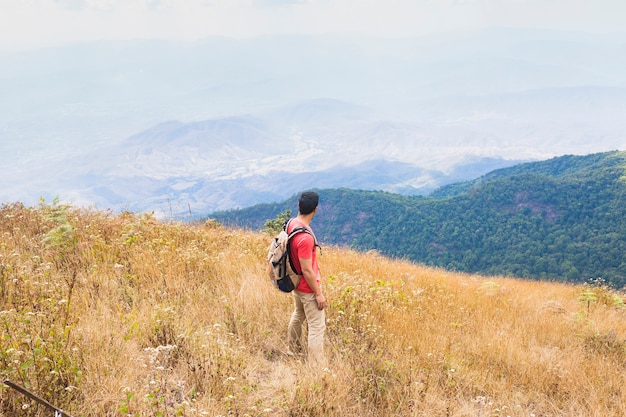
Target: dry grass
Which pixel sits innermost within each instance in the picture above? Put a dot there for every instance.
(122, 315)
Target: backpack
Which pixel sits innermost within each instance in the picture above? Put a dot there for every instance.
(280, 267)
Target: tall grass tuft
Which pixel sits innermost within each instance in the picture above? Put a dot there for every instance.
(108, 314)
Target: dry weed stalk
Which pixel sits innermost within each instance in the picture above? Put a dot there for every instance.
(135, 317)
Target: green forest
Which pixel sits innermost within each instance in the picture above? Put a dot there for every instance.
(562, 219)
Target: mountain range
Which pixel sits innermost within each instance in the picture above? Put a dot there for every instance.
(187, 128)
(561, 219)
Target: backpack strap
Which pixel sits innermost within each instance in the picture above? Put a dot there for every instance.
(297, 230)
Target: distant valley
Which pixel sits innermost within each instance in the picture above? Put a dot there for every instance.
(185, 129)
(235, 162)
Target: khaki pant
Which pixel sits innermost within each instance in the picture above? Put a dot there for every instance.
(305, 308)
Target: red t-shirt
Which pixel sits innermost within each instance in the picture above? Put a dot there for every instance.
(303, 246)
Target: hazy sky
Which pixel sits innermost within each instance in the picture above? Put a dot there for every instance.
(40, 22)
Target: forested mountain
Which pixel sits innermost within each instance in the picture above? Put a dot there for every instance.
(562, 219)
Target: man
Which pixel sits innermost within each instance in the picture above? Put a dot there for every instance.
(309, 301)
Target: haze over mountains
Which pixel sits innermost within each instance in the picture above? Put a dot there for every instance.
(176, 127)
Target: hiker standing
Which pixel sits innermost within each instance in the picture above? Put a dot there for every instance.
(309, 301)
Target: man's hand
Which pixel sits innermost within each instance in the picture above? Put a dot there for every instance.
(321, 301)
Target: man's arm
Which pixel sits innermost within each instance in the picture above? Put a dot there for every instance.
(309, 275)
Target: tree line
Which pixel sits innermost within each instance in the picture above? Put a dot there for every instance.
(563, 219)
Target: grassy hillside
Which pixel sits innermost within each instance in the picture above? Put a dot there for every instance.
(563, 219)
(122, 315)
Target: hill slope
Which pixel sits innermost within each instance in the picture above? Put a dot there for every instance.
(124, 315)
(561, 219)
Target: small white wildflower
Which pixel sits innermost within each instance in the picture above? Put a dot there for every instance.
(480, 400)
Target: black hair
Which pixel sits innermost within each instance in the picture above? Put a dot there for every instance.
(308, 202)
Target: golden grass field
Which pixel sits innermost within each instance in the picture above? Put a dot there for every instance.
(108, 314)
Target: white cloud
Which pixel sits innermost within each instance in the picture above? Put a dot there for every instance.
(43, 21)
(279, 3)
(71, 4)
